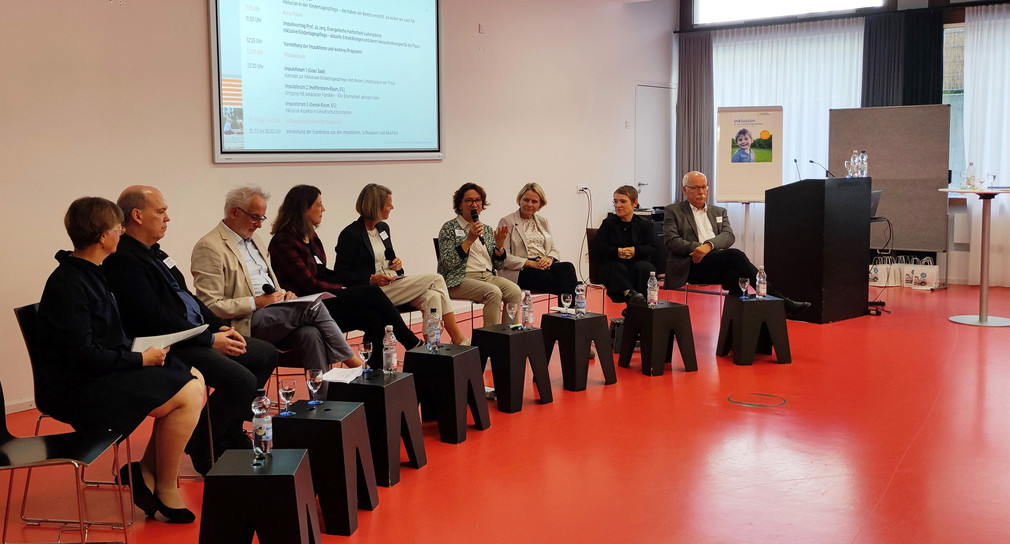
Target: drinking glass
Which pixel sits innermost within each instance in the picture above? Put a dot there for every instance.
(511, 308)
(566, 301)
(365, 351)
(287, 395)
(990, 180)
(314, 380)
(744, 285)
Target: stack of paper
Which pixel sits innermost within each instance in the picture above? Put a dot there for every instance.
(342, 375)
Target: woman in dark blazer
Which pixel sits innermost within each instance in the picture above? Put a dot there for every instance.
(365, 256)
(299, 261)
(623, 248)
(88, 376)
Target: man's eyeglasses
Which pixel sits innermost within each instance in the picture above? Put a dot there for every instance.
(472, 201)
(259, 218)
(697, 187)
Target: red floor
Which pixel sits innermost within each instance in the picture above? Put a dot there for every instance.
(893, 430)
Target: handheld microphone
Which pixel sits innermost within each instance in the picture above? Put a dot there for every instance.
(268, 289)
(474, 217)
(390, 255)
(798, 175)
(827, 173)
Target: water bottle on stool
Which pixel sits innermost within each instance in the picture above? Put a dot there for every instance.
(761, 282)
(652, 290)
(433, 331)
(580, 300)
(389, 351)
(263, 430)
(527, 300)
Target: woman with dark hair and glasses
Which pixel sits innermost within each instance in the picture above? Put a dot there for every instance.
(299, 261)
(471, 254)
(365, 255)
(88, 376)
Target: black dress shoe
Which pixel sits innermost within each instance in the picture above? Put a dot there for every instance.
(175, 515)
(793, 307)
(634, 297)
(142, 496)
(199, 454)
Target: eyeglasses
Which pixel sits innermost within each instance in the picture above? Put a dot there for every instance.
(697, 187)
(471, 201)
(255, 218)
(118, 229)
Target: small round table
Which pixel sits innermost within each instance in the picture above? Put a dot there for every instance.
(982, 319)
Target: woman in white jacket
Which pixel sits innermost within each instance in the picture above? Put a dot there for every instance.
(532, 260)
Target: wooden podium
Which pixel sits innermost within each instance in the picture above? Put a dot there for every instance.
(817, 245)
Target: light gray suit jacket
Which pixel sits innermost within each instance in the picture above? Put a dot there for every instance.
(680, 235)
(515, 244)
(221, 279)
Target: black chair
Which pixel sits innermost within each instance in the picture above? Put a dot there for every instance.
(27, 317)
(78, 449)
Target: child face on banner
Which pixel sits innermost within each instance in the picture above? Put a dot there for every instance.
(743, 141)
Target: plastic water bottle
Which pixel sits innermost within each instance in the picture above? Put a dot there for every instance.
(263, 427)
(389, 351)
(761, 282)
(854, 161)
(527, 301)
(433, 331)
(652, 290)
(580, 300)
(864, 166)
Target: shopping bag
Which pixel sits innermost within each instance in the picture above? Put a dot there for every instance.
(925, 275)
(908, 270)
(884, 272)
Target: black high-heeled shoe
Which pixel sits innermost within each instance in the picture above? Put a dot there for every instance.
(175, 515)
(142, 496)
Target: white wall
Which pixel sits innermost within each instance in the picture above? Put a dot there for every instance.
(98, 95)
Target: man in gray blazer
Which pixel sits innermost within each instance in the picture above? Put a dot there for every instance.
(698, 238)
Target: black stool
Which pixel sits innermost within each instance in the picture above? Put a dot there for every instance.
(230, 490)
(446, 382)
(753, 325)
(391, 410)
(508, 350)
(574, 335)
(336, 436)
(658, 326)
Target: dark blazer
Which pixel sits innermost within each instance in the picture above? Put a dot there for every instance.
(608, 239)
(680, 235)
(147, 301)
(355, 260)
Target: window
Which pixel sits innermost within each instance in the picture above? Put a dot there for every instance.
(953, 94)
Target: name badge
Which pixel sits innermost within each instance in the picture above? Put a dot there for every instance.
(718, 219)
(460, 232)
(383, 235)
(318, 260)
(169, 262)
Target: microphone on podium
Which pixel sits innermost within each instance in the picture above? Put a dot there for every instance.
(827, 173)
(798, 175)
(474, 217)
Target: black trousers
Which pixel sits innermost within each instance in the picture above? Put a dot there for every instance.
(558, 279)
(235, 381)
(724, 267)
(620, 275)
(367, 309)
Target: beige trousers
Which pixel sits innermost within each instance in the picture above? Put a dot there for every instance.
(489, 290)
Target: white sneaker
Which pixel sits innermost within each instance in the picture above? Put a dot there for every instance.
(465, 341)
(489, 393)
